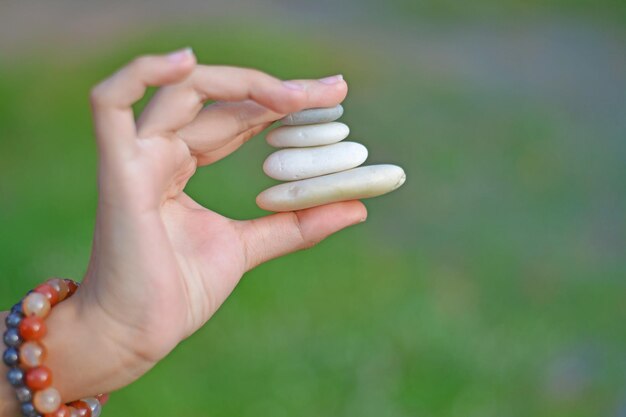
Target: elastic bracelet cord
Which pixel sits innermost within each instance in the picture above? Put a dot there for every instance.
(25, 354)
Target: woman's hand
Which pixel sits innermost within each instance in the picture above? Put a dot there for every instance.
(162, 264)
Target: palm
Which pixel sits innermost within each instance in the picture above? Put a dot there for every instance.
(189, 258)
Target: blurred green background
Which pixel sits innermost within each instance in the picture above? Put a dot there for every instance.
(492, 284)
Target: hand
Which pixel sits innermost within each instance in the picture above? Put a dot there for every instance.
(162, 264)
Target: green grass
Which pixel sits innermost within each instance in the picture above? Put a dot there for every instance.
(491, 284)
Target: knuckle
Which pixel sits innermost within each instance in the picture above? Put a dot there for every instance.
(306, 239)
(139, 62)
(254, 75)
(97, 94)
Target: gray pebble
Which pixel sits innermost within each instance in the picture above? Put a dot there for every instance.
(312, 116)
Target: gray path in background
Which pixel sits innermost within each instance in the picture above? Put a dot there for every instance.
(580, 64)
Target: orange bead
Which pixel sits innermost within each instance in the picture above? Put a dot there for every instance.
(73, 286)
(102, 398)
(62, 411)
(82, 407)
(51, 294)
(60, 286)
(32, 354)
(36, 304)
(38, 378)
(32, 328)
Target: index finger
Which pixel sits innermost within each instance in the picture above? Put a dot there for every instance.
(176, 106)
(112, 99)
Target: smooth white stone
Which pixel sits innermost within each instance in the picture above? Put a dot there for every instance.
(357, 183)
(314, 115)
(307, 135)
(300, 163)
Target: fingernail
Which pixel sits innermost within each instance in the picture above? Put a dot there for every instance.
(332, 79)
(180, 55)
(292, 85)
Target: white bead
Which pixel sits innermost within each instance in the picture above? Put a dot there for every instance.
(357, 183)
(94, 404)
(300, 163)
(47, 400)
(307, 135)
(36, 304)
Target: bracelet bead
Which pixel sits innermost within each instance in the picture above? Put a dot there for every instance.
(17, 308)
(12, 337)
(13, 320)
(36, 304)
(25, 354)
(94, 404)
(32, 328)
(62, 411)
(102, 398)
(47, 400)
(61, 287)
(49, 292)
(72, 286)
(83, 409)
(15, 376)
(24, 394)
(38, 378)
(28, 409)
(32, 354)
(11, 357)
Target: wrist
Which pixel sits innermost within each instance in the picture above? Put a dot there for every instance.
(84, 358)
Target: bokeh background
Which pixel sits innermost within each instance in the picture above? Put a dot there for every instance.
(492, 284)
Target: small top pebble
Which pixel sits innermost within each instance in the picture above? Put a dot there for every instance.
(312, 116)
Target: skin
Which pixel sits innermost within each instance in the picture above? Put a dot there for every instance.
(161, 264)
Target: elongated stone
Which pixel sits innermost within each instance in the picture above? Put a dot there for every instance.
(315, 115)
(307, 135)
(300, 163)
(357, 183)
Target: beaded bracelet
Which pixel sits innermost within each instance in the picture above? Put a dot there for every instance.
(25, 354)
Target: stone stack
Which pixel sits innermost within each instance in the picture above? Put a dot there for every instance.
(321, 167)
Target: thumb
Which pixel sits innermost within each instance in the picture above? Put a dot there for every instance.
(272, 236)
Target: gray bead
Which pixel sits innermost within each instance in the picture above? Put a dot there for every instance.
(17, 308)
(13, 320)
(24, 394)
(15, 376)
(11, 357)
(94, 404)
(313, 116)
(12, 337)
(28, 409)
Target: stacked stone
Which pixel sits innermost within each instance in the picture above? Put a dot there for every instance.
(321, 167)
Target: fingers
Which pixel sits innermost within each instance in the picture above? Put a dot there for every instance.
(282, 233)
(176, 106)
(220, 122)
(112, 99)
(208, 158)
